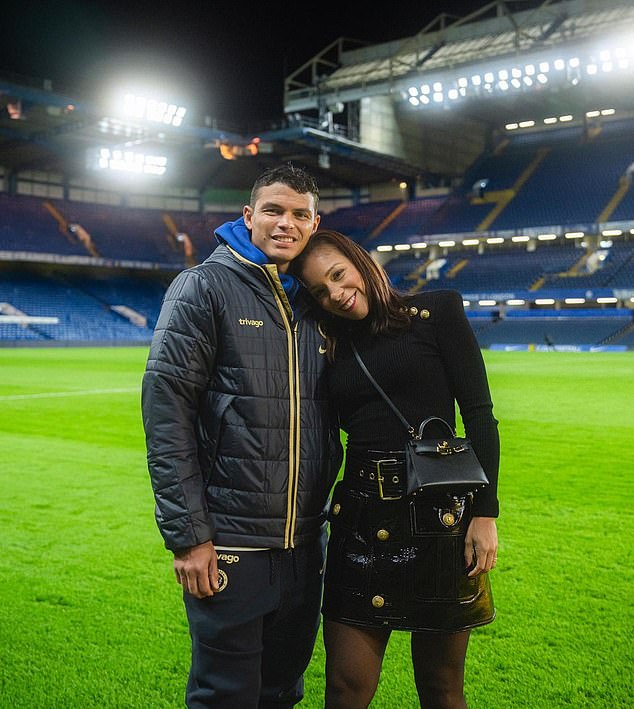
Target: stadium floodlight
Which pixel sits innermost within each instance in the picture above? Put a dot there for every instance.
(546, 237)
(544, 301)
(566, 118)
(402, 247)
(128, 161)
(470, 242)
(519, 239)
(466, 303)
(611, 232)
(384, 247)
(574, 301)
(495, 240)
(419, 245)
(446, 244)
(512, 126)
(607, 299)
(153, 110)
(550, 120)
(487, 303)
(538, 69)
(516, 301)
(574, 235)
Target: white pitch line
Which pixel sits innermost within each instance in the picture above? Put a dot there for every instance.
(54, 394)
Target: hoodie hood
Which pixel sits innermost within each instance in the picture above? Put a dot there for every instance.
(238, 237)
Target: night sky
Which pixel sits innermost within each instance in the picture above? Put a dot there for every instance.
(226, 60)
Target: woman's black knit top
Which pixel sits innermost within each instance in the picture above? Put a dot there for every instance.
(426, 370)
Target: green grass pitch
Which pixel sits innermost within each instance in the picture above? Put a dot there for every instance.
(90, 614)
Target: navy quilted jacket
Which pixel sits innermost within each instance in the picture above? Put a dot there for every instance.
(240, 446)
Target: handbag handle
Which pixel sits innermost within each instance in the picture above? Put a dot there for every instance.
(435, 418)
(410, 429)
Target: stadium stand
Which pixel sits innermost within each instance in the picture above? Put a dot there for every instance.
(474, 200)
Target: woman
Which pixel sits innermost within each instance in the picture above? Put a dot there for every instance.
(397, 562)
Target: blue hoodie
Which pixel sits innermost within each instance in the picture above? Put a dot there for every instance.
(237, 236)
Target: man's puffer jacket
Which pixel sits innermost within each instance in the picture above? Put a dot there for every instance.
(241, 448)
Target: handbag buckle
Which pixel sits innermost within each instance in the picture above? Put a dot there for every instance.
(443, 448)
(380, 478)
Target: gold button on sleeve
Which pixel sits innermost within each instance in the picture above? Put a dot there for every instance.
(336, 508)
(382, 535)
(424, 313)
(378, 601)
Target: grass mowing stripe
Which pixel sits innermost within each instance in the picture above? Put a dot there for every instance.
(53, 394)
(90, 615)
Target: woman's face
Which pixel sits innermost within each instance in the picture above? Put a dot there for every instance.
(335, 283)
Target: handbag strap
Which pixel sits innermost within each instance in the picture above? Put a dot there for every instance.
(410, 429)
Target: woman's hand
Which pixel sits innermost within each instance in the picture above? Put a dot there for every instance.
(481, 544)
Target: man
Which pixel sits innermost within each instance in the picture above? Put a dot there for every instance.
(241, 451)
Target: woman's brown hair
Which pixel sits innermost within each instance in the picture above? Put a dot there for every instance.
(387, 309)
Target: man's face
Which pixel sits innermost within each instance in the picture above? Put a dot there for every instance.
(281, 223)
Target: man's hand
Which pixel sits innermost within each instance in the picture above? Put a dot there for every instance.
(482, 542)
(196, 570)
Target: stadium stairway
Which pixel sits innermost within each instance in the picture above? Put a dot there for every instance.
(619, 335)
(615, 200)
(504, 197)
(387, 220)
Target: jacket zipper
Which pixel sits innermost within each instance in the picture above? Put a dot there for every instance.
(294, 404)
(294, 419)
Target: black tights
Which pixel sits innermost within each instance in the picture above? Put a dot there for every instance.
(353, 665)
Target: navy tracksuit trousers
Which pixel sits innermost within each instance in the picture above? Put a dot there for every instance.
(252, 641)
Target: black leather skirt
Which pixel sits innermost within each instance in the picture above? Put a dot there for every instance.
(397, 561)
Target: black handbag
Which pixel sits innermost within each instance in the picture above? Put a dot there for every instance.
(446, 465)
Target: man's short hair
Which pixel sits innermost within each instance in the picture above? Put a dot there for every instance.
(296, 178)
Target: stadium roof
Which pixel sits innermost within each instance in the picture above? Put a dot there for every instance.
(47, 131)
(44, 130)
(496, 33)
